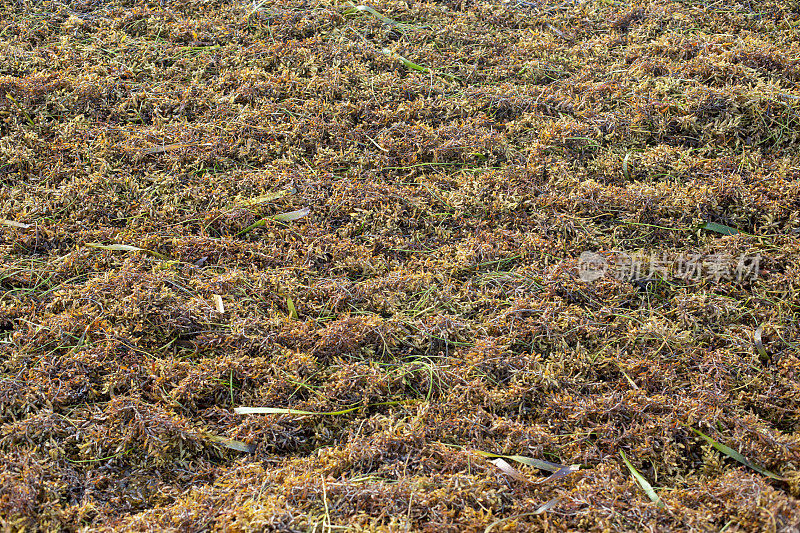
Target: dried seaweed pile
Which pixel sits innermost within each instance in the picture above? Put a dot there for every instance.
(375, 215)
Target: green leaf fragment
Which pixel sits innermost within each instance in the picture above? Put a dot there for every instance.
(264, 198)
(292, 215)
(124, 248)
(21, 110)
(253, 226)
(759, 342)
(406, 63)
(414, 66)
(231, 444)
(116, 247)
(547, 506)
(282, 217)
(625, 171)
(536, 463)
(719, 228)
(292, 309)
(648, 489)
(563, 472)
(282, 411)
(14, 224)
(367, 9)
(402, 26)
(733, 454)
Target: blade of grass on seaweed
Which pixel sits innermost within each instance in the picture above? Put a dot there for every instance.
(124, 248)
(21, 110)
(282, 217)
(547, 506)
(413, 66)
(633, 383)
(257, 5)
(77, 461)
(536, 463)
(625, 172)
(648, 489)
(509, 470)
(292, 215)
(161, 148)
(758, 341)
(281, 411)
(629, 223)
(254, 225)
(15, 224)
(292, 309)
(563, 472)
(367, 9)
(231, 444)
(733, 454)
(264, 198)
(539, 510)
(406, 63)
(403, 26)
(719, 228)
(218, 303)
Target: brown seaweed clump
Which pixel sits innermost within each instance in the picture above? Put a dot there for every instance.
(373, 223)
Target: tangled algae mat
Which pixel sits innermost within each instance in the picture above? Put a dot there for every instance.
(370, 221)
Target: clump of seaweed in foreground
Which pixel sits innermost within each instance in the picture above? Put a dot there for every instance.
(314, 266)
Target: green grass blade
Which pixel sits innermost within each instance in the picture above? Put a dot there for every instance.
(14, 224)
(292, 215)
(625, 171)
(264, 198)
(536, 463)
(21, 110)
(116, 247)
(253, 226)
(563, 472)
(401, 26)
(124, 248)
(541, 509)
(509, 470)
(648, 489)
(282, 217)
(292, 309)
(231, 444)
(547, 506)
(366, 9)
(733, 454)
(278, 411)
(406, 63)
(79, 461)
(719, 228)
(758, 341)
(281, 411)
